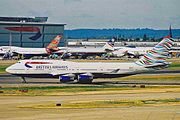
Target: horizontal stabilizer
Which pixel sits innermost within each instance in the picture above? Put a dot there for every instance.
(158, 65)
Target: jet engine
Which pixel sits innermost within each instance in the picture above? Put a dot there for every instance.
(85, 78)
(67, 78)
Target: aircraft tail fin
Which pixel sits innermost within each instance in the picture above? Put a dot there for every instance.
(112, 41)
(53, 46)
(158, 54)
(109, 46)
(170, 31)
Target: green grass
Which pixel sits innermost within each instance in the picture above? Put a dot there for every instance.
(3, 68)
(174, 66)
(106, 104)
(70, 90)
(58, 89)
(117, 103)
(65, 88)
(163, 77)
(160, 101)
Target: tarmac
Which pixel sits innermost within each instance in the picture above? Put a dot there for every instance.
(10, 104)
(10, 109)
(11, 79)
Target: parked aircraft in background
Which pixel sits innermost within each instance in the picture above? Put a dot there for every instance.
(84, 72)
(134, 51)
(53, 48)
(29, 52)
(84, 52)
(131, 51)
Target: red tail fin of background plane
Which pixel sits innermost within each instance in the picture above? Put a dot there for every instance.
(53, 46)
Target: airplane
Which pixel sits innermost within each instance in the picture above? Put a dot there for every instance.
(85, 72)
(28, 52)
(84, 52)
(130, 51)
(133, 51)
(53, 49)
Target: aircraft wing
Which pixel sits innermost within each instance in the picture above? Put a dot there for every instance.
(63, 73)
(158, 65)
(58, 73)
(114, 71)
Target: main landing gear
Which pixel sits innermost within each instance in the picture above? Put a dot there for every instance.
(23, 80)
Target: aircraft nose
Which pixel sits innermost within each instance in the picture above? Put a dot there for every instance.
(8, 69)
(11, 69)
(15, 68)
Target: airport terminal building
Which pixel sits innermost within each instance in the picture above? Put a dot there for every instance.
(28, 31)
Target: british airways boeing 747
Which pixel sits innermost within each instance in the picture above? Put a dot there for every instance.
(85, 72)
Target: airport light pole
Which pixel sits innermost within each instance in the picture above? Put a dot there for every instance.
(10, 40)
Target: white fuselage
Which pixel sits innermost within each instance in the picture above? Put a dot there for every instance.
(27, 51)
(58, 67)
(90, 50)
(42, 51)
(85, 49)
(31, 51)
(139, 50)
(120, 51)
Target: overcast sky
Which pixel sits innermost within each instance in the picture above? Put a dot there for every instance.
(157, 14)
